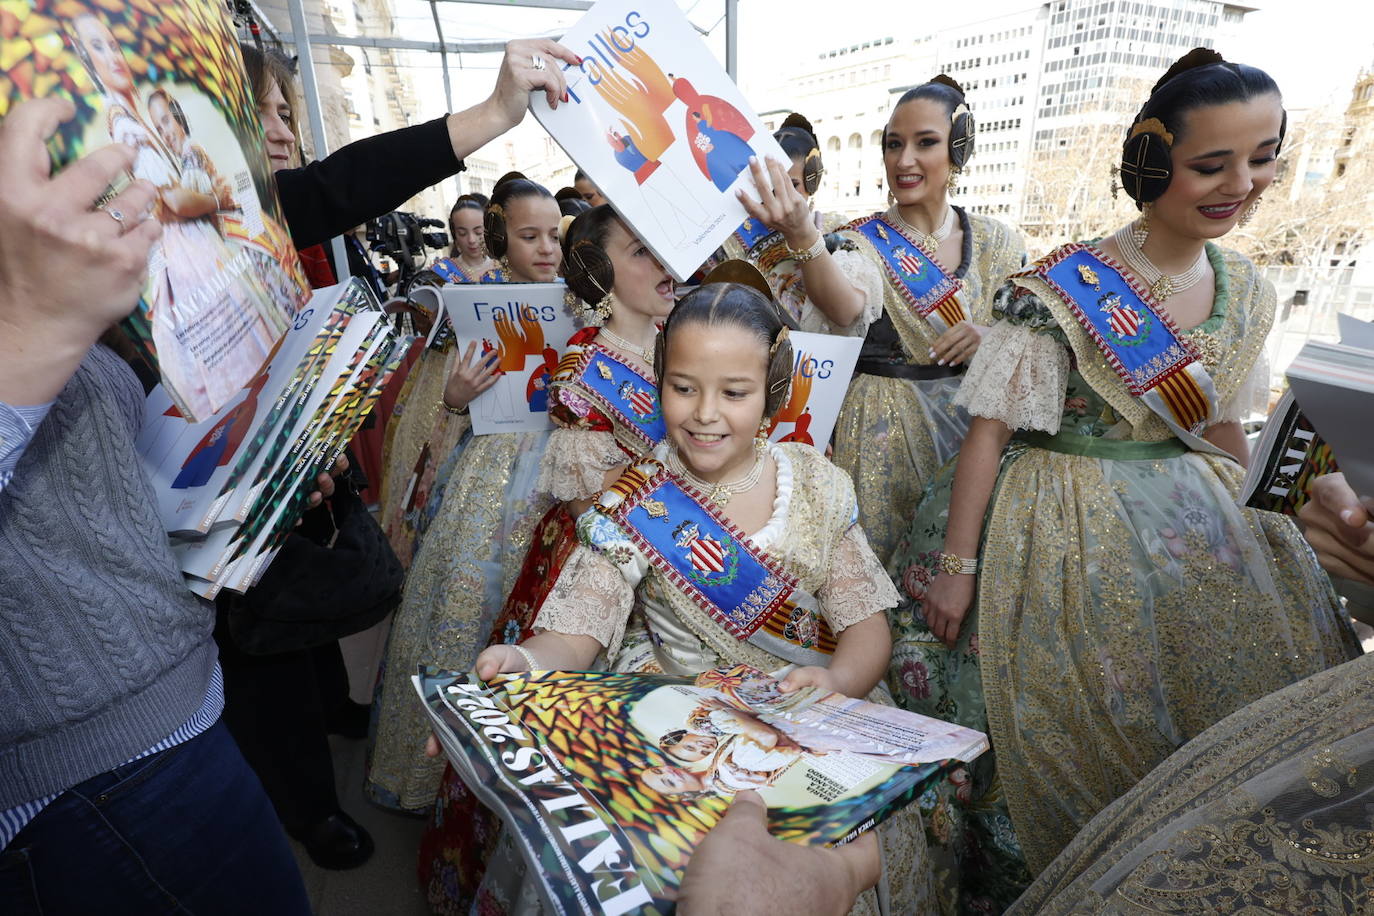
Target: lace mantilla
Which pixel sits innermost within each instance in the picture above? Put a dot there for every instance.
(864, 276)
(1018, 376)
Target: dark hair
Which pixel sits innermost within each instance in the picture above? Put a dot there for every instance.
(566, 193)
(507, 190)
(573, 206)
(946, 91)
(580, 175)
(1200, 78)
(266, 68)
(465, 202)
(586, 265)
(478, 197)
(509, 176)
(173, 106)
(717, 304)
(798, 141)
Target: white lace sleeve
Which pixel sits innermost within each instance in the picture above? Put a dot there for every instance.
(863, 275)
(575, 463)
(1252, 396)
(1017, 376)
(590, 598)
(858, 587)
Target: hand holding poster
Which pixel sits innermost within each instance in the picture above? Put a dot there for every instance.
(527, 324)
(822, 367)
(659, 127)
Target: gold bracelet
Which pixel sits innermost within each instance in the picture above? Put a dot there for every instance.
(456, 411)
(811, 252)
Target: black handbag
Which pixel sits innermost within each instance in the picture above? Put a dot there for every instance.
(336, 575)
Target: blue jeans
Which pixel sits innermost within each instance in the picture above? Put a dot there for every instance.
(187, 830)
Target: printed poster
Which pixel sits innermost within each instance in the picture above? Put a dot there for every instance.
(822, 367)
(659, 126)
(167, 79)
(527, 324)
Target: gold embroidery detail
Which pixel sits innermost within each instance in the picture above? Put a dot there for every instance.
(604, 369)
(655, 508)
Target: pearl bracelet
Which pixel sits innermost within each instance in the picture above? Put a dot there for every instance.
(528, 656)
(815, 250)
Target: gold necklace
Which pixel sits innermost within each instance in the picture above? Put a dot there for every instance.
(620, 343)
(718, 493)
(929, 242)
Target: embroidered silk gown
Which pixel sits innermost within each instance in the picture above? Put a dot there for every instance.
(1125, 603)
(895, 430)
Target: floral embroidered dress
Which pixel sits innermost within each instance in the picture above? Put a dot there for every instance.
(609, 591)
(899, 423)
(587, 444)
(1125, 602)
(1265, 812)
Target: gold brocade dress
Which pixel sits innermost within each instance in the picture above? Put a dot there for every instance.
(894, 433)
(1125, 602)
(1265, 812)
(812, 532)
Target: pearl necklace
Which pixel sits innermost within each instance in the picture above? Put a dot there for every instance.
(620, 343)
(929, 242)
(1162, 285)
(718, 493)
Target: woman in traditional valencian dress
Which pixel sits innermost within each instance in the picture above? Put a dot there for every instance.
(917, 282)
(1101, 599)
(604, 399)
(484, 505)
(1266, 811)
(724, 365)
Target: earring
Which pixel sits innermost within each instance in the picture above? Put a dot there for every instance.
(1140, 229)
(1250, 211)
(1114, 171)
(891, 197)
(953, 179)
(761, 440)
(503, 265)
(601, 312)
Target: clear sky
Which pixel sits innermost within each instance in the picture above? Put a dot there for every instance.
(1313, 48)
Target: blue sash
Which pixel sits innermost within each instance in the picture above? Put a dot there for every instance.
(450, 271)
(703, 555)
(619, 391)
(1139, 340)
(930, 290)
(752, 234)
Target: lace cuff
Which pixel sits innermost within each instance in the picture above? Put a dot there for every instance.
(858, 586)
(1252, 396)
(590, 598)
(863, 275)
(1017, 376)
(575, 463)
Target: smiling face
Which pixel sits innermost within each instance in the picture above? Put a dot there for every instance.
(167, 126)
(275, 114)
(105, 54)
(713, 392)
(1223, 159)
(916, 152)
(466, 226)
(532, 239)
(641, 286)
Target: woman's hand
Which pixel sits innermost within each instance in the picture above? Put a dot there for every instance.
(946, 605)
(1336, 522)
(809, 676)
(499, 659)
(529, 65)
(957, 345)
(470, 377)
(781, 207)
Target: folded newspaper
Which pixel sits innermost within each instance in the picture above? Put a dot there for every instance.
(608, 781)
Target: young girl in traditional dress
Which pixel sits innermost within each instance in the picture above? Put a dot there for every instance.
(669, 537)
(1099, 598)
(484, 506)
(604, 399)
(916, 282)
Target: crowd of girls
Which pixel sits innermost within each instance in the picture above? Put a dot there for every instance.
(1029, 526)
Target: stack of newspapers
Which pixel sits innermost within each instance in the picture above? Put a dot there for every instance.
(608, 781)
(231, 487)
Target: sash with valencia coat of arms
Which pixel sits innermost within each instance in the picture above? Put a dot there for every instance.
(618, 390)
(701, 553)
(1141, 343)
(931, 291)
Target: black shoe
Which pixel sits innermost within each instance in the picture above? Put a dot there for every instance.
(338, 842)
(349, 720)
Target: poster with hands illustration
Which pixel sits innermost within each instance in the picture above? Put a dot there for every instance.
(527, 326)
(659, 127)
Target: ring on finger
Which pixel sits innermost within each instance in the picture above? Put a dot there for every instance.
(115, 214)
(537, 62)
